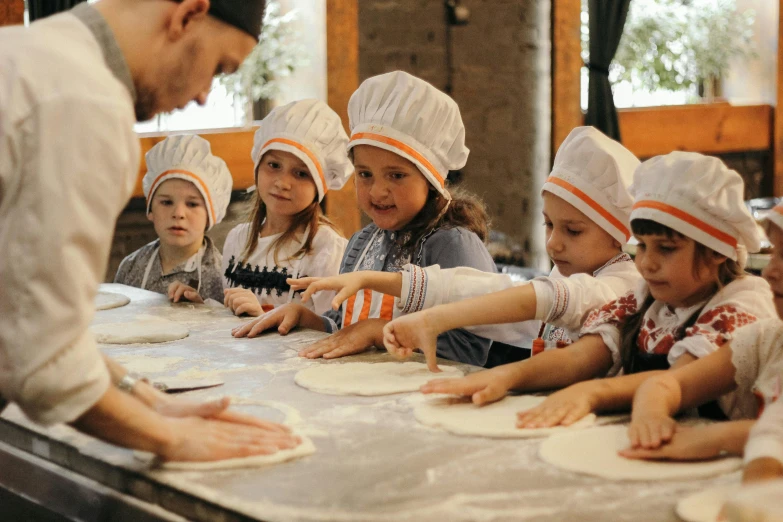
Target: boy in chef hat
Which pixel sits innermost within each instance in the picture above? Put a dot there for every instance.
(187, 190)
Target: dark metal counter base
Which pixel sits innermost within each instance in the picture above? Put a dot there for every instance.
(33, 489)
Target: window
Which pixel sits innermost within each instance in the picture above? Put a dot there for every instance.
(667, 43)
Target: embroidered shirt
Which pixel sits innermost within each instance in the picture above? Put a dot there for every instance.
(741, 302)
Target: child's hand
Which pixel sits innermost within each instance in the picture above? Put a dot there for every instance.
(650, 431)
(284, 318)
(483, 387)
(345, 285)
(352, 339)
(242, 301)
(564, 407)
(405, 334)
(687, 443)
(178, 291)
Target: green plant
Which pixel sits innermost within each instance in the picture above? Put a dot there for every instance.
(678, 44)
(276, 56)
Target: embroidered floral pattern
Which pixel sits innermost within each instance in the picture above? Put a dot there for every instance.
(613, 312)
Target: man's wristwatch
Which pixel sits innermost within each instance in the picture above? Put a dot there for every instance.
(128, 382)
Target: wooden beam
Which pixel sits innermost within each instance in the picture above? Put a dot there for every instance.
(342, 65)
(778, 116)
(566, 69)
(710, 128)
(11, 12)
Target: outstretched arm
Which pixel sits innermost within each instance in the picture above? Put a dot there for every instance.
(663, 396)
(348, 284)
(585, 359)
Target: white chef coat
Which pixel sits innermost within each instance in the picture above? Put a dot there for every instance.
(68, 164)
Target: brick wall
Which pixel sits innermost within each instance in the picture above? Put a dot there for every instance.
(497, 68)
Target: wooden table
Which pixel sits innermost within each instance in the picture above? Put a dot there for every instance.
(373, 461)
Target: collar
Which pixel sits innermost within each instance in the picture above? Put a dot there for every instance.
(192, 262)
(619, 258)
(112, 54)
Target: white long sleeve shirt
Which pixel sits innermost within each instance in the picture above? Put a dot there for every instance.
(739, 303)
(766, 436)
(68, 163)
(270, 288)
(560, 301)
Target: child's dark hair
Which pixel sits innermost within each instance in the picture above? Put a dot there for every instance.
(465, 210)
(629, 332)
(311, 216)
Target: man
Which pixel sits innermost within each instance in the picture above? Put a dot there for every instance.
(72, 87)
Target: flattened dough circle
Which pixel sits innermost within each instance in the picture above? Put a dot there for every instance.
(594, 452)
(364, 378)
(157, 331)
(109, 300)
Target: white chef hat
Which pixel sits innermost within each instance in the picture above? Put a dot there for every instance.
(409, 117)
(312, 132)
(189, 157)
(775, 215)
(593, 172)
(699, 197)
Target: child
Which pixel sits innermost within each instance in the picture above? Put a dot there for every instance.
(187, 191)
(692, 227)
(744, 375)
(406, 137)
(586, 210)
(299, 154)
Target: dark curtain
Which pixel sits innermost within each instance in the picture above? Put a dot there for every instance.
(43, 8)
(607, 18)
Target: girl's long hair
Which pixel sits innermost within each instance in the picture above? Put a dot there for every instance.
(312, 216)
(465, 210)
(629, 332)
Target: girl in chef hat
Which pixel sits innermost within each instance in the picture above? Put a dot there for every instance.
(406, 136)
(745, 376)
(187, 191)
(586, 207)
(693, 232)
(299, 154)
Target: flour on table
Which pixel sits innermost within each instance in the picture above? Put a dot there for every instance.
(594, 452)
(146, 364)
(108, 300)
(364, 378)
(497, 420)
(143, 331)
(705, 506)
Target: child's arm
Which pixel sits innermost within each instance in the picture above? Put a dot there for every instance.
(567, 406)
(284, 318)
(585, 359)
(346, 285)
(698, 442)
(661, 397)
(764, 450)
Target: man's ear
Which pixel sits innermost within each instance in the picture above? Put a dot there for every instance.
(185, 13)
